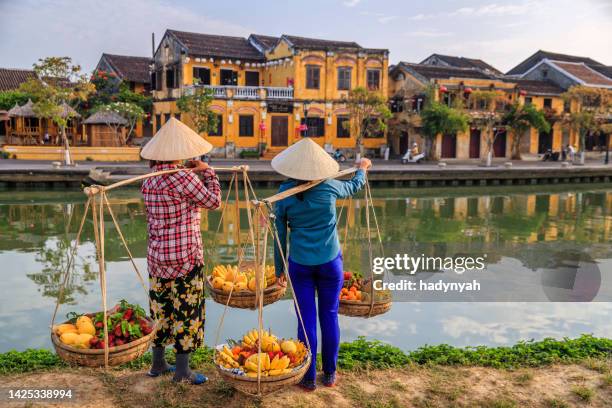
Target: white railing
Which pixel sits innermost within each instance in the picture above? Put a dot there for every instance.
(279, 93)
(244, 92)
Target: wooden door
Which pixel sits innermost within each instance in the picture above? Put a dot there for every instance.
(280, 131)
(499, 146)
(545, 141)
(449, 146)
(403, 143)
(475, 144)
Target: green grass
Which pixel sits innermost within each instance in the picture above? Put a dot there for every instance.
(583, 393)
(556, 403)
(362, 353)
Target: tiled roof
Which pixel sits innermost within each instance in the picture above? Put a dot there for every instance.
(540, 55)
(584, 73)
(602, 69)
(220, 46)
(11, 78)
(441, 72)
(266, 41)
(129, 68)
(318, 44)
(538, 87)
(463, 62)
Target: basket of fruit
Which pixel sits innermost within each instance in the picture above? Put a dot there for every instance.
(240, 281)
(281, 363)
(80, 340)
(356, 297)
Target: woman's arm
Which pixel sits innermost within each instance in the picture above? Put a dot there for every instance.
(205, 193)
(281, 227)
(348, 188)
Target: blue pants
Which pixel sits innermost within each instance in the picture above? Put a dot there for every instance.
(326, 279)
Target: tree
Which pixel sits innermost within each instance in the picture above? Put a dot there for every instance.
(369, 113)
(131, 112)
(438, 118)
(197, 105)
(486, 118)
(519, 119)
(58, 83)
(593, 107)
(9, 99)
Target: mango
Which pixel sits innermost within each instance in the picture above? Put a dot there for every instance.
(227, 286)
(69, 337)
(251, 285)
(239, 286)
(288, 347)
(217, 282)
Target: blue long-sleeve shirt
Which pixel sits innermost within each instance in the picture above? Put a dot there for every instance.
(312, 221)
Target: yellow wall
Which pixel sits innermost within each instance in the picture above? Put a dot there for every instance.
(78, 153)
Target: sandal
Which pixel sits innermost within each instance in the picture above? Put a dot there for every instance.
(170, 370)
(197, 379)
(307, 385)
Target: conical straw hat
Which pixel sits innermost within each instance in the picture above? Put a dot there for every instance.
(175, 141)
(305, 160)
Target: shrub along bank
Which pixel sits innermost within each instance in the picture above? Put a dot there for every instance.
(363, 353)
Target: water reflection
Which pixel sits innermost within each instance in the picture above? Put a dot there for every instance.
(521, 229)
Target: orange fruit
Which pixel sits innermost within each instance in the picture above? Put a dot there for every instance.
(358, 295)
(344, 290)
(352, 297)
(353, 289)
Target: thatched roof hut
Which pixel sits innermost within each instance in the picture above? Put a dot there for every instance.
(15, 110)
(68, 111)
(104, 117)
(27, 110)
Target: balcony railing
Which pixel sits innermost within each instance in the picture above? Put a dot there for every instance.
(244, 92)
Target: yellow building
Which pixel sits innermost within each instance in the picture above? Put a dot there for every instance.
(407, 89)
(269, 91)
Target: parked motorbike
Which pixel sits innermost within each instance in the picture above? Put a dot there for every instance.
(410, 158)
(549, 155)
(338, 156)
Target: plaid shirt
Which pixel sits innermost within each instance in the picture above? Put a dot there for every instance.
(173, 203)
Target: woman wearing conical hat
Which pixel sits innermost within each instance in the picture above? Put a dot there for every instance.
(314, 258)
(175, 255)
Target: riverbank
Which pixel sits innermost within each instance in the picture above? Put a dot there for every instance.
(548, 373)
(21, 173)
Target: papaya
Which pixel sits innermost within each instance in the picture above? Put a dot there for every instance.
(227, 286)
(251, 285)
(240, 286)
(82, 340)
(83, 320)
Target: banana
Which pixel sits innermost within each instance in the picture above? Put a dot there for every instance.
(283, 363)
(287, 370)
(274, 363)
(249, 365)
(275, 372)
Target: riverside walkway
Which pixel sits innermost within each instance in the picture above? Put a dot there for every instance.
(21, 173)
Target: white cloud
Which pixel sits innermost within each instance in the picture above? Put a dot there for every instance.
(351, 3)
(495, 9)
(429, 33)
(386, 19)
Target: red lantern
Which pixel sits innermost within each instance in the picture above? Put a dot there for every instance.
(303, 127)
(262, 126)
(522, 92)
(443, 89)
(468, 90)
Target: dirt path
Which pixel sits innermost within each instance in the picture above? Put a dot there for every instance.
(586, 385)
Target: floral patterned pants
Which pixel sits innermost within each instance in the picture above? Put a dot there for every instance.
(178, 305)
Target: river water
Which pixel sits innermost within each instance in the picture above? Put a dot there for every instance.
(521, 230)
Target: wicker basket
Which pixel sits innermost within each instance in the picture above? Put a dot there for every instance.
(356, 308)
(246, 299)
(95, 357)
(248, 385)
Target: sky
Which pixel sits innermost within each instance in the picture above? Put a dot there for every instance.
(501, 32)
